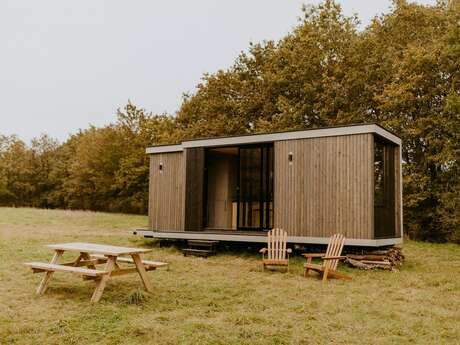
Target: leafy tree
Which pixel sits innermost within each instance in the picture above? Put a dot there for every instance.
(92, 170)
(16, 172)
(139, 130)
(43, 158)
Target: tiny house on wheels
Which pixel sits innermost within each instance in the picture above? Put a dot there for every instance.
(312, 183)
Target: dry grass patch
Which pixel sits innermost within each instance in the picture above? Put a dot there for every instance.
(224, 299)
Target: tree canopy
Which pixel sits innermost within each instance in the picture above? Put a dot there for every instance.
(402, 71)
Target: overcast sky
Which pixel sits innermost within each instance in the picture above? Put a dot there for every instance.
(67, 64)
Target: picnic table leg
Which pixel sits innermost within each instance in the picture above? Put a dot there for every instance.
(46, 279)
(103, 281)
(86, 256)
(77, 260)
(142, 272)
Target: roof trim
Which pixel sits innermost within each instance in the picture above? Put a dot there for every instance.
(279, 136)
(164, 149)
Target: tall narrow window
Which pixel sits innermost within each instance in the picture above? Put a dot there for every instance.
(255, 187)
(384, 189)
(379, 174)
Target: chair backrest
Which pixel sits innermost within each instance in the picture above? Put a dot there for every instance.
(277, 239)
(334, 248)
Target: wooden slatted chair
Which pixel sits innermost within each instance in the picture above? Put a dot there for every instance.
(277, 253)
(330, 259)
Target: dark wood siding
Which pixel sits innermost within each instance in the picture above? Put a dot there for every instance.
(327, 188)
(166, 191)
(194, 158)
(398, 193)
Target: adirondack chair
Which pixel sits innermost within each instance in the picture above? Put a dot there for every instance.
(276, 251)
(330, 259)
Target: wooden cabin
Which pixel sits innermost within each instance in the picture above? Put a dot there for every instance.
(312, 183)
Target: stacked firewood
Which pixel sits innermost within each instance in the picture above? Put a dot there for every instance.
(388, 259)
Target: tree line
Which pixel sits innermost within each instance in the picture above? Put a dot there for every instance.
(402, 71)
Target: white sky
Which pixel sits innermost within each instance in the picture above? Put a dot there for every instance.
(67, 64)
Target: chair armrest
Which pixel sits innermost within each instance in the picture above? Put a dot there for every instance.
(314, 255)
(263, 250)
(289, 250)
(334, 257)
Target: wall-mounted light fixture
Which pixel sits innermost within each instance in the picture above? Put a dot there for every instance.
(160, 167)
(290, 157)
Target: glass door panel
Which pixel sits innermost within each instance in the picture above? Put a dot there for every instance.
(255, 188)
(250, 183)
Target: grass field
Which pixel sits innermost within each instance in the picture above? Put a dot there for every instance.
(225, 299)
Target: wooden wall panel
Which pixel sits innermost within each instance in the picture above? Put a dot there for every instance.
(194, 158)
(166, 192)
(221, 182)
(398, 176)
(328, 188)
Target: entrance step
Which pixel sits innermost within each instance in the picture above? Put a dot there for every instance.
(200, 248)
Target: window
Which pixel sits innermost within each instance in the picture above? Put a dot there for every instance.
(379, 174)
(384, 189)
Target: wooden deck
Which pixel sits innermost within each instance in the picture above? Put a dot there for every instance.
(254, 237)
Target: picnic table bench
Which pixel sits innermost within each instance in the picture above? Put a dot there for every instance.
(90, 255)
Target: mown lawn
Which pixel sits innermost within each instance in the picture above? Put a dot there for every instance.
(225, 299)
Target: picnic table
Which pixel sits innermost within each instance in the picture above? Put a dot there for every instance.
(90, 255)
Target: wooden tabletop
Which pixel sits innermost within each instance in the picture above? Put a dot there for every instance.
(97, 248)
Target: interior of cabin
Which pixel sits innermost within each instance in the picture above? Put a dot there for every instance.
(238, 188)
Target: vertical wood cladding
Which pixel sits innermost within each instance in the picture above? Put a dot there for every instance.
(166, 189)
(194, 158)
(398, 193)
(327, 188)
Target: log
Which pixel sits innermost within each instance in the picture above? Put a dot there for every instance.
(357, 264)
(388, 258)
(371, 257)
(380, 252)
(383, 267)
(384, 263)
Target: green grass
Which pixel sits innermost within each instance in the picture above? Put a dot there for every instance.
(224, 299)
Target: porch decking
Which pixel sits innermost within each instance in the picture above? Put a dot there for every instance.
(212, 235)
(254, 237)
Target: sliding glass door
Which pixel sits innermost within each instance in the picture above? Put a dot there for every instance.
(255, 187)
(384, 190)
